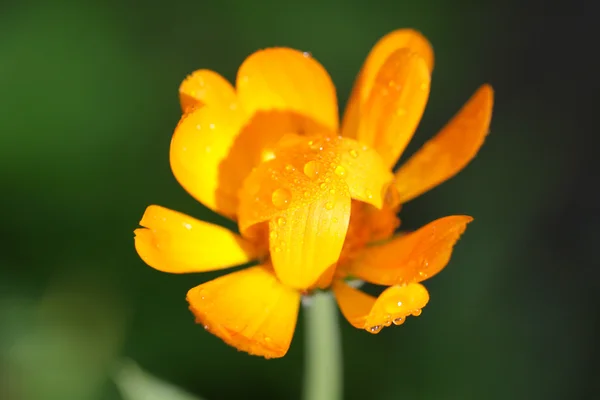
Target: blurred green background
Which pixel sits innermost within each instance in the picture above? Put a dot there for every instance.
(88, 105)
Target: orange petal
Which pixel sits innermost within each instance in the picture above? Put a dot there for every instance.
(288, 80)
(204, 87)
(174, 242)
(450, 150)
(392, 112)
(307, 205)
(392, 306)
(249, 310)
(364, 170)
(413, 257)
(396, 40)
(200, 144)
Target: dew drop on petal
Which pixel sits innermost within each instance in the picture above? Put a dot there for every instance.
(416, 312)
(334, 220)
(398, 321)
(375, 328)
(273, 235)
(329, 205)
(281, 221)
(353, 153)
(281, 198)
(312, 169)
(368, 194)
(289, 168)
(340, 171)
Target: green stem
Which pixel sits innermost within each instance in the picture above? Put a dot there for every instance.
(323, 364)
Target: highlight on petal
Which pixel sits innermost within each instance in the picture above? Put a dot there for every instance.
(250, 310)
(288, 80)
(174, 242)
(205, 87)
(392, 306)
(393, 110)
(365, 172)
(412, 257)
(450, 150)
(307, 204)
(201, 142)
(390, 43)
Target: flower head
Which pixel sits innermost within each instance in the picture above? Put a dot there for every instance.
(315, 203)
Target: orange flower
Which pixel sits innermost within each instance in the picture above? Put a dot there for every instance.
(315, 203)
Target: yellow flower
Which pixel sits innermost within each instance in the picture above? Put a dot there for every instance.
(315, 203)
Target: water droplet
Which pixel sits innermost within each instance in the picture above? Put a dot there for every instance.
(281, 198)
(281, 221)
(307, 54)
(329, 205)
(267, 339)
(375, 328)
(211, 126)
(289, 168)
(398, 321)
(312, 169)
(323, 185)
(368, 194)
(399, 304)
(187, 226)
(332, 191)
(307, 194)
(416, 312)
(273, 235)
(198, 126)
(206, 327)
(353, 153)
(422, 274)
(277, 249)
(340, 171)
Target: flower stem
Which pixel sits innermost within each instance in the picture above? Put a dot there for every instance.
(323, 363)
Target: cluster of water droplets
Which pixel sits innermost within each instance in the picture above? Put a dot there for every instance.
(390, 319)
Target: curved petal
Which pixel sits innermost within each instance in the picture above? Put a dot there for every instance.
(288, 80)
(392, 306)
(204, 87)
(413, 257)
(201, 142)
(396, 40)
(174, 242)
(450, 150)
(307, 204)
(364, 170)
(249, 310)
(396, 103)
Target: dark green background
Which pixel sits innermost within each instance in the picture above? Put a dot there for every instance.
(88, 103)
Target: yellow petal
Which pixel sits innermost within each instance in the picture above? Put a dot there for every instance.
(206, 87)
(391, 307)
(174, 242)
(413, 257)
(288, 80)
(392, 112)
(200, 145)
(250, 310)
(366, 174)
(307, 205)
(396, 40)
(450, 150)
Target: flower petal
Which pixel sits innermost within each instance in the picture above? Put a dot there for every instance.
(249, 309)
(396, 103)
(392, 306)
(366, 174)
(396, 40)
(200, 144)
(174, 242)
(413, 257)
(450, 150)
(307, 205)
(288, 80)
(204, 87)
